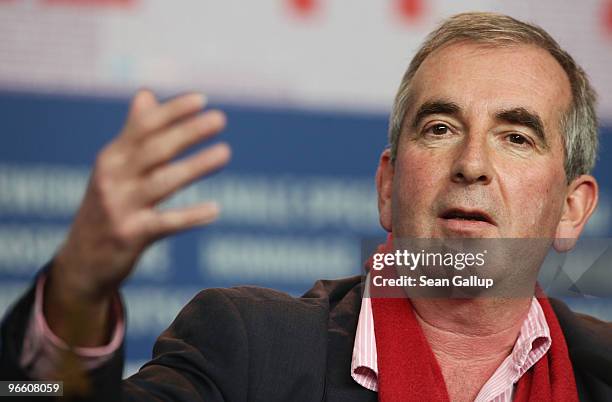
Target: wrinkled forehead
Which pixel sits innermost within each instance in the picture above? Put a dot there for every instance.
(482, 79)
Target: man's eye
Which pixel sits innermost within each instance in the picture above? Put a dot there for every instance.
(518, 139)
(438, 129)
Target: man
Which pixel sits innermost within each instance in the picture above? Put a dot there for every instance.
(493, 135)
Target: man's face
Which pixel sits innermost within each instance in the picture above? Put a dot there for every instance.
(481, 152)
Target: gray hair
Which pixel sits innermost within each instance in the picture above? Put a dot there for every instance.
(578, 123)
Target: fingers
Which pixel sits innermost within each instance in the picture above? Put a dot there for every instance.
(118, 217)
(146, 116)
(167, 222)
(141, 102)
(166, 145)
(136, 174)
(167, 179)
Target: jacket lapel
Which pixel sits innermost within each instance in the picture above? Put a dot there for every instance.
(342, 325)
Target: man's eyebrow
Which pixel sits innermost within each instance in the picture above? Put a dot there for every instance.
(523, 117)
(435, 107)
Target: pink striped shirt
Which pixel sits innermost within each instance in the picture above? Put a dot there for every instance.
(42, 349)
(533, 342)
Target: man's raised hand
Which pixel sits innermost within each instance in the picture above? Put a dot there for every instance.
(118, 217)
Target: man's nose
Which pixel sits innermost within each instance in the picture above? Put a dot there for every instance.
(472, 162)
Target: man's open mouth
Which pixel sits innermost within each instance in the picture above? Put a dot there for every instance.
(467, 215)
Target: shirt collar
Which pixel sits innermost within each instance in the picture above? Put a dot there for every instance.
(532, 343)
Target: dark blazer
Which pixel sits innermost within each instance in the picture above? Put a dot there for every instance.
(255, 344)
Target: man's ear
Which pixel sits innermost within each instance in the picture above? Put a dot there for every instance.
(384, 187)
(580, 202)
